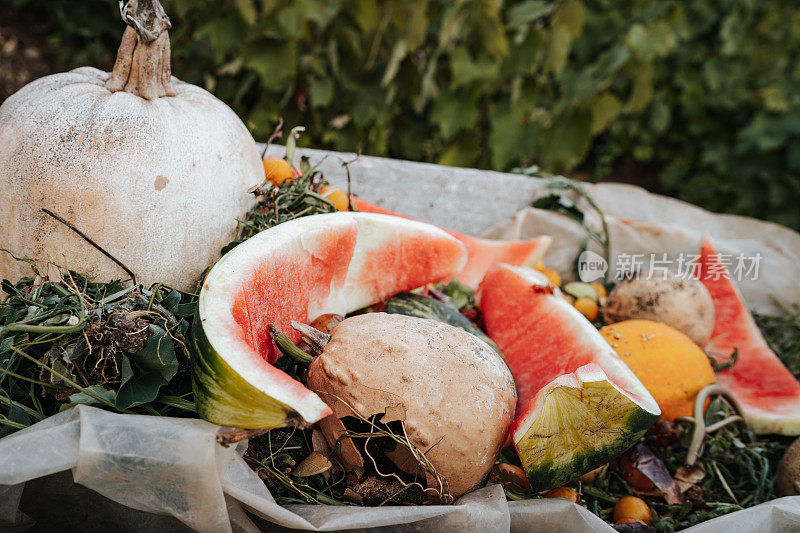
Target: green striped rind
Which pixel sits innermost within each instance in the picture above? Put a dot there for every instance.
(223, 397)
(595, 425)
(411, 304)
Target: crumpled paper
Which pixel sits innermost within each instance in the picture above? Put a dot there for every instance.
(175, 467)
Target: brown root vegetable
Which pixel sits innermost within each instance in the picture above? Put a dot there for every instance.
(454, 395)
(685, 305)
(787, 482)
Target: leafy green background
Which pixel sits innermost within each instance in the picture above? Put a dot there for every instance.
(695, 98)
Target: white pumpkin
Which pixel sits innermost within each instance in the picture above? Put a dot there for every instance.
(154, 170)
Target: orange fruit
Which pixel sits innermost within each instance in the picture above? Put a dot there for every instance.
(553, 276)
(600, 289)
(277, 170)
(587, 307)
(631, 509)
(633, 476)
(336, 196)
(589, 477)
(563, 492)
(667, 362)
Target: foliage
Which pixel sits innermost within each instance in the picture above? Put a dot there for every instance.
(698, 99)
(66, 341)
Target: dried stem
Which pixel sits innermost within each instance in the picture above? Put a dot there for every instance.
(85, 237)
(144, 56)
(700, 430)
(314, 338)
(226, 437)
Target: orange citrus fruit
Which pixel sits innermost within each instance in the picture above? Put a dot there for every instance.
(667, 362)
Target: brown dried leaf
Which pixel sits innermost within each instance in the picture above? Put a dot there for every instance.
(688, 476)
(651, 466)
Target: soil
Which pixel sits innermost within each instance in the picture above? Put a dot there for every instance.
(22, 57)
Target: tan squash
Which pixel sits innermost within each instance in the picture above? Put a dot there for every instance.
(154, 170)
(454, 394)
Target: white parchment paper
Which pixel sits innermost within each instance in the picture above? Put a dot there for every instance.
(175, 467)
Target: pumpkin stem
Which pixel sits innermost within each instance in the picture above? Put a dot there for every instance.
(143, 59)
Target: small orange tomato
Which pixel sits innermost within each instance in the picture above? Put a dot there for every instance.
(587, 307)
(631, 509)
(277, 170)
(336, 196)
(600, 289)
(633, 476)
(563, 492)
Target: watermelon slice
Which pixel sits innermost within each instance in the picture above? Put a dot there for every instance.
(579, 404)
(481, 253)
(299, 270)
(768, 392)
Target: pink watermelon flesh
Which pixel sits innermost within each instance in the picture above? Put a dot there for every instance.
(542, 336)
(284, 286)
(768, 392)
(481, 253)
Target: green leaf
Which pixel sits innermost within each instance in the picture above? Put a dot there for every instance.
(605, 108)
(399, 53)
(274, 64)
(560, 43)
(461, 153)
(321, 92)
(466, 70)
(642, 91)
(366, 15)
(570, 17)
(460, 295)
(247, 11)
(527, 12)
(774, 97)
(454, 112)
(511, 139)
(139, 390)
(560, 204)
(158, 355)
(81, 398)
(568, 140)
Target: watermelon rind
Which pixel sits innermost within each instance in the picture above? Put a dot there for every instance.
(297, 271)
(411, 304)
(577, 423)
(580, 404)
(223, 397)
(768, 393)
